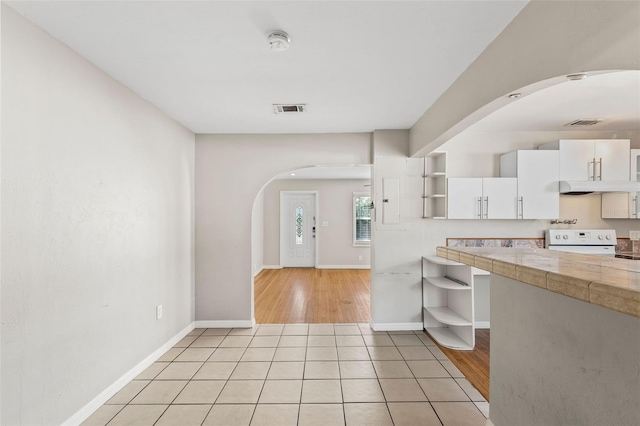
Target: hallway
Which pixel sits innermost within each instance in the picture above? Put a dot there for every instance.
(309, 295)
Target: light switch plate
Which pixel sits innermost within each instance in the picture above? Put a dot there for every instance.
(325, 223)
(634, 235)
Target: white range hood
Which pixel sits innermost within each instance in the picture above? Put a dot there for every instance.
(597, 186)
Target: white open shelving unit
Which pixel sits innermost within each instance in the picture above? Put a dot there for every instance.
(448, 301)
(434, 196)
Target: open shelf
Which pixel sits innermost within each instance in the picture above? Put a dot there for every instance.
(434, 191)
(442, 261)
(446, 283)
(448, 289)
(447, 316)
(447, 338)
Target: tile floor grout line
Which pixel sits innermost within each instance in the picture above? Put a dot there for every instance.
(338, 361)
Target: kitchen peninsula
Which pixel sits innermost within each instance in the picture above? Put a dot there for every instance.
(565, 336)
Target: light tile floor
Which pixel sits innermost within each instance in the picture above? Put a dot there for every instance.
(298, 374)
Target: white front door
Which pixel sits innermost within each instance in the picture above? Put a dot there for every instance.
(297, 230)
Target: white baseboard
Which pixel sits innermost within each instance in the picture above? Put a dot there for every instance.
(401, 326)
(271, 266)
(488, 423)
(482, 324)
(106, 394)
(226, 324)
(343, 267)
(257, 271)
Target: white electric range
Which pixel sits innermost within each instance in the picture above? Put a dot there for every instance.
(587, 241)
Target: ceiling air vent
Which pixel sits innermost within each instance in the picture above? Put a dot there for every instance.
(289, 109)
(583, 122)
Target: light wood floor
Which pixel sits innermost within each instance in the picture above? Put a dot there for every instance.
(309, 295)
(474, 364)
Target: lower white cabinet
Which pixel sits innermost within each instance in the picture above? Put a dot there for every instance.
(482, 198)
(448, 301)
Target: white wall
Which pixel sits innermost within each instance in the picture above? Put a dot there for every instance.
(335, 197)
(395, 276)
(257, 234)
(396, 283)
(97, 228)
(230, 172)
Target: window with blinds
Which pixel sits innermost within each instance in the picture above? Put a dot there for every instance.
(361, 220)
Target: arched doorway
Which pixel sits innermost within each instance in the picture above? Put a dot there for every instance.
(333, 285)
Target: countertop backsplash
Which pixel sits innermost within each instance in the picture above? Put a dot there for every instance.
(624, 245)
(496, 242)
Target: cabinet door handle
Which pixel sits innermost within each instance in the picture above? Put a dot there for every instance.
(591, 169)
(599, 168)
(521, 201)
(634, 207)
(486, 208)
(480, 207)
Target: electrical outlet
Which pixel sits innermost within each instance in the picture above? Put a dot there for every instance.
(634, 235)
(360, 257)
(159, 312)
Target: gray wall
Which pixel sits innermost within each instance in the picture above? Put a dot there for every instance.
(560, 361)
(97, 228)
(231, 170)
(335, 241)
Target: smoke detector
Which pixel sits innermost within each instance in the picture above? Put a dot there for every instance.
(289, 108)
(278, 40)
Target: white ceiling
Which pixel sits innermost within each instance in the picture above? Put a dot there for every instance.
(356, 171)
(613, 98)
(358, 65)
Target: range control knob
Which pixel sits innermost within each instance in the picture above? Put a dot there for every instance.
(566, 237)
(608, 237)
(600, 237)
(558, 237)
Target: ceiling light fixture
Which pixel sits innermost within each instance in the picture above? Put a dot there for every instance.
(292, 174)
(278, 40)
(577, 76)
(515, 95)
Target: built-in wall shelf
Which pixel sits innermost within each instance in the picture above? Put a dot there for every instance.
(441, 261)
(444, 282)
(434, 195)
(448, 316)
(448, 338)
(448, 301)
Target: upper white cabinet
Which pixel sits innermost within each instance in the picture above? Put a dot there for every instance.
(482, 198)
(592, 159)
(537, 184)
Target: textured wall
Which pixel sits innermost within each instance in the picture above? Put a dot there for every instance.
(97, 228)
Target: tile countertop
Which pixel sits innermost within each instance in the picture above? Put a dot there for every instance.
(604, 281)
